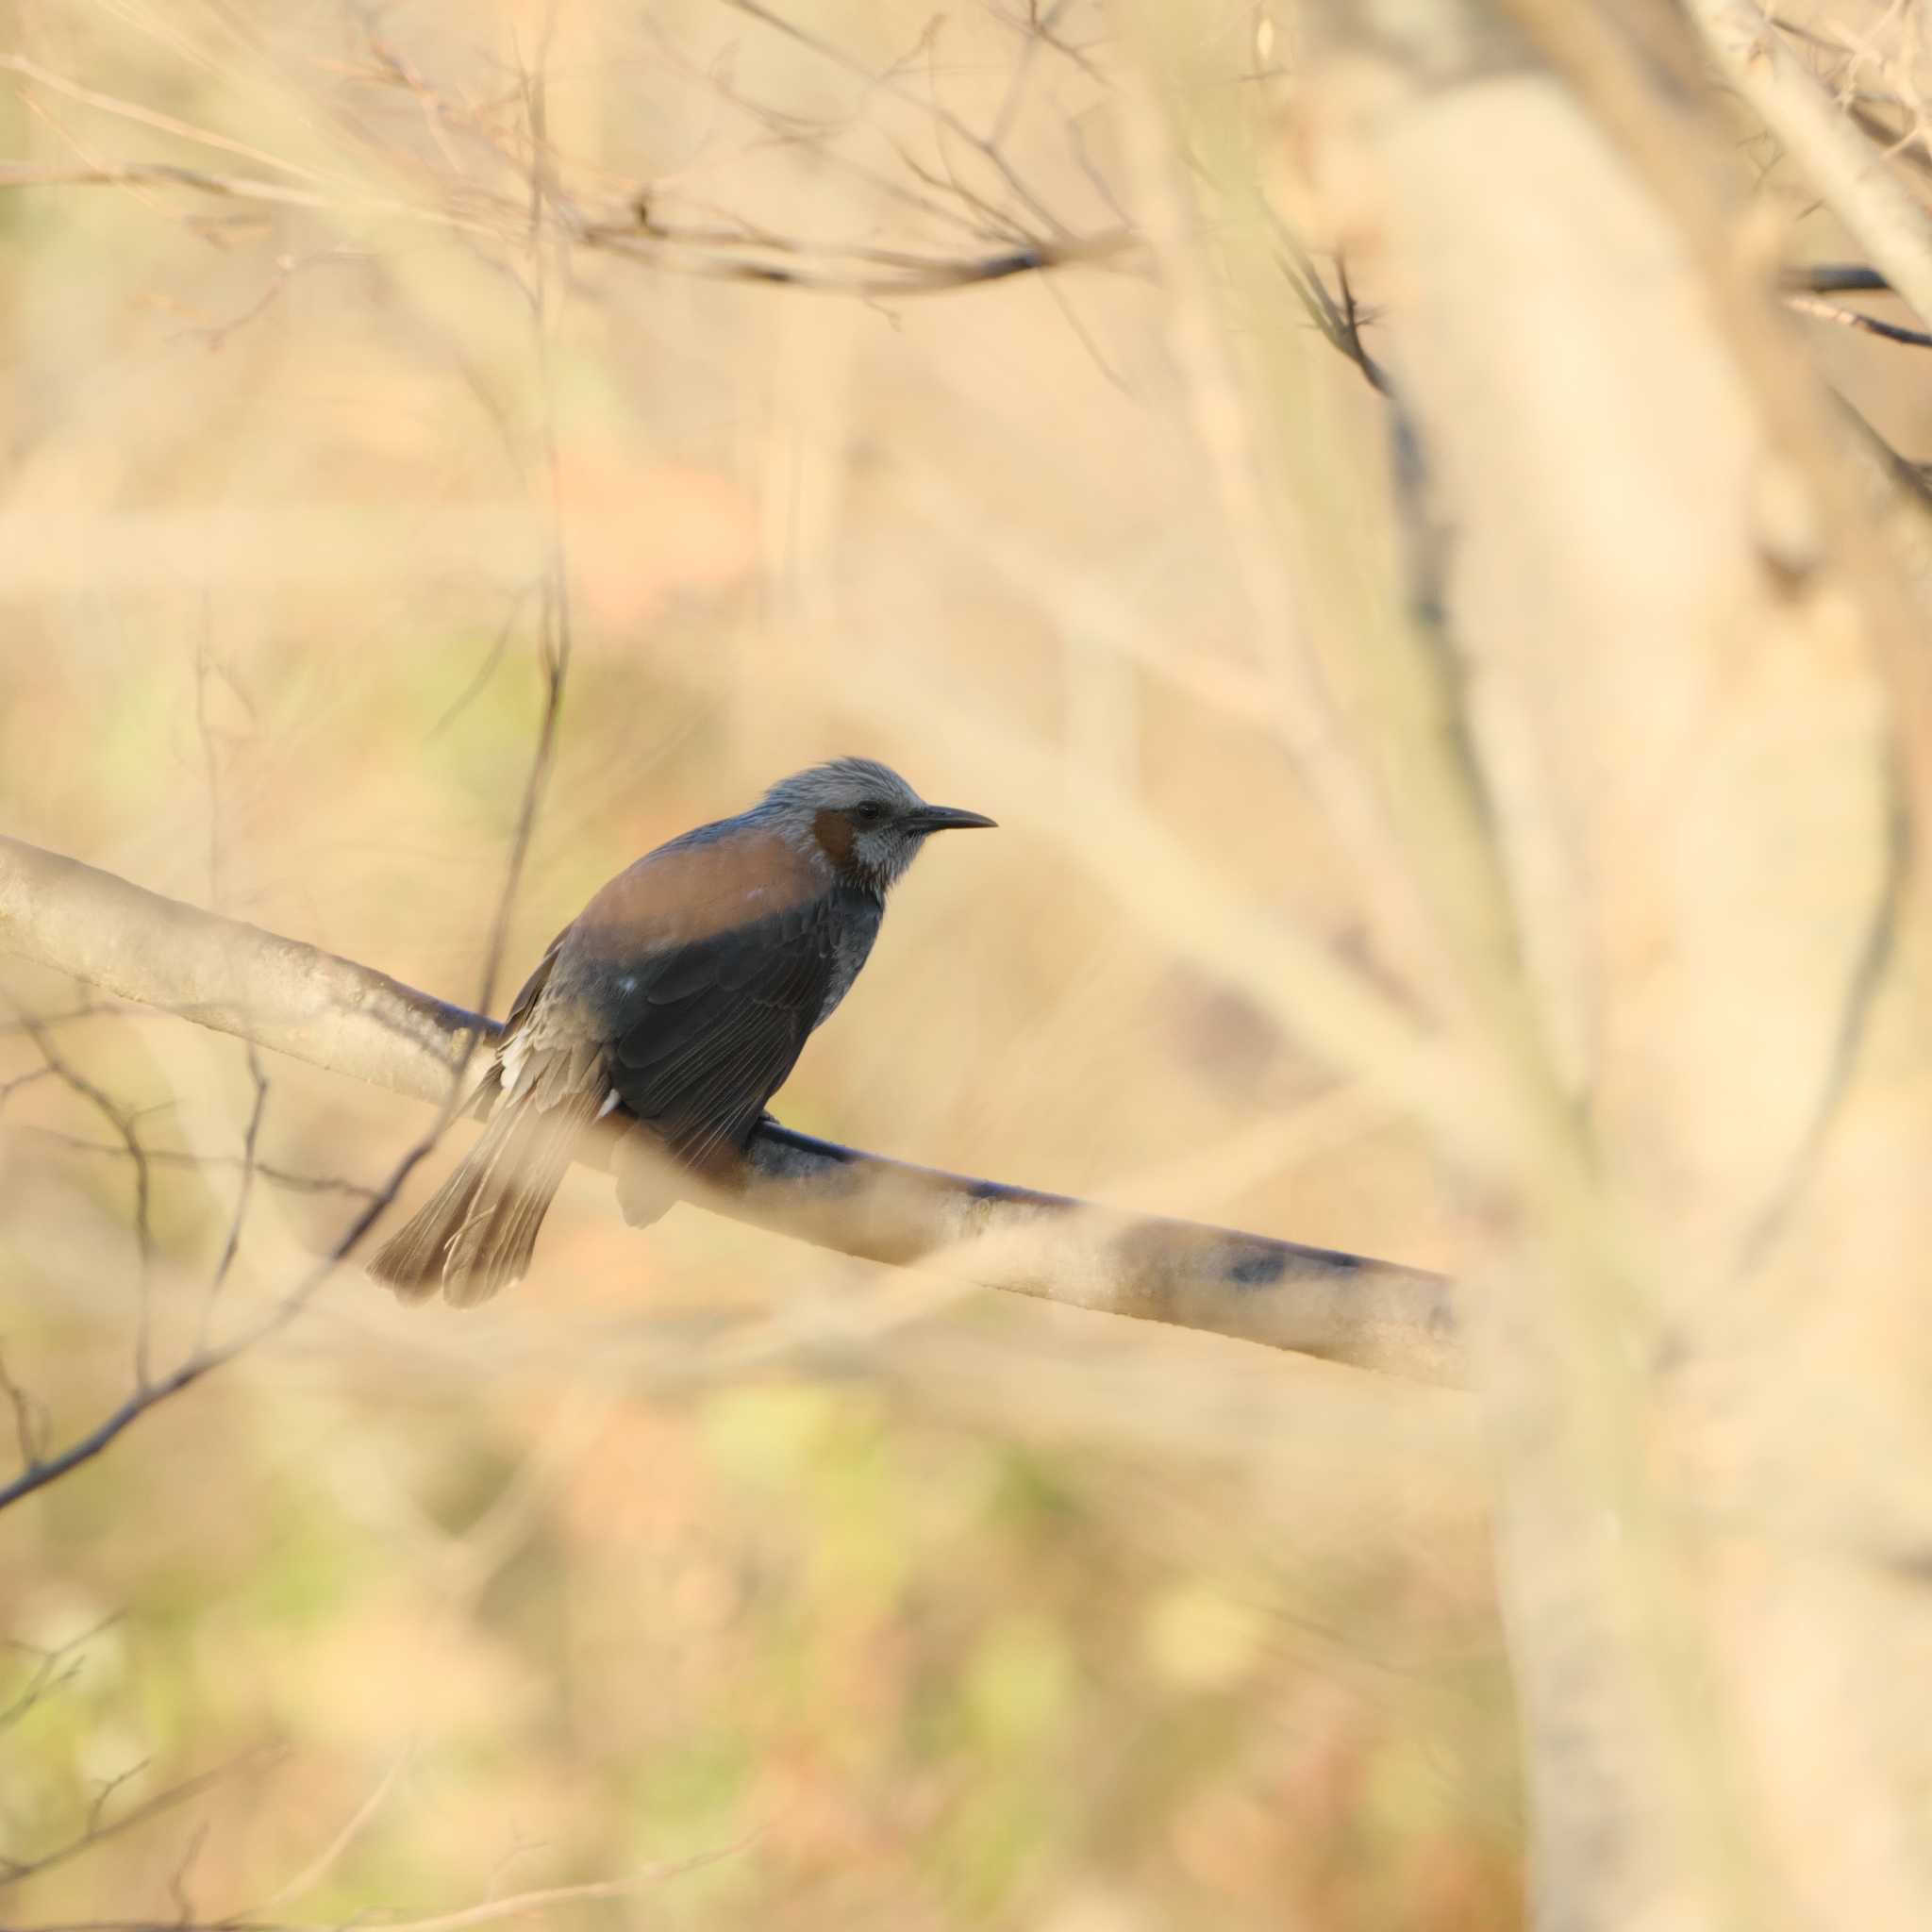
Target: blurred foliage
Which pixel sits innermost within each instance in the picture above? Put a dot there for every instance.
(937, 1616)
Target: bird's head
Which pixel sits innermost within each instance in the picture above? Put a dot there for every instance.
(863, 816)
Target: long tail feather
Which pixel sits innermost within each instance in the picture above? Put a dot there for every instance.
(476, 1233)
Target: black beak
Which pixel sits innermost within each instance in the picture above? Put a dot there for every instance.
(943, 818)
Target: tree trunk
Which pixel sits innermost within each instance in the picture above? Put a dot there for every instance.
(1686, 659)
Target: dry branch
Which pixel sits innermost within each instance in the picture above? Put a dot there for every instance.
(1837, 158)
(335, 1013)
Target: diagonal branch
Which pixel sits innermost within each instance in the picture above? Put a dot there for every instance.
(1838, 160)
(296, 999)
(1853, 318)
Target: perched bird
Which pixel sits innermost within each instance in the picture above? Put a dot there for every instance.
(681, 995)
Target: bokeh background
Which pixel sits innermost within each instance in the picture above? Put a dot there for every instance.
(748, 1584)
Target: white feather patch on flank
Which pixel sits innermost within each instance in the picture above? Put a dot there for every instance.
(611, 1102)
(511, 1060)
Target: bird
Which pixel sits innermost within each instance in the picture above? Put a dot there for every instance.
(680, 997)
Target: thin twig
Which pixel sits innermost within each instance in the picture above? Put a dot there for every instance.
(889, 83)
(52, 1668)
(209, 1357)
(88, 1010)
(156, 174)
(242, 188)
(712, 254)
(124, 1124)
(251, 1137)
(851, 270)
(30, 1419)
(238, 1217)
(95, 1832)
(296, 1183)
(1852, 318)
(148, 117)
(554, 625)
(489, 1912)
(32, 1077)
(486, 670)
(178, 1878)
(1340, 323)
(330, 1855)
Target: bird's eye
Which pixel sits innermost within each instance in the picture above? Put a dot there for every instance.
(870, 813)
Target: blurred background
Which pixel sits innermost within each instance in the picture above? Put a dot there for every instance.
(361, 362)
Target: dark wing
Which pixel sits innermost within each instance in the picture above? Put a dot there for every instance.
(520, 1007)
(711, 1027)
(520, 1010)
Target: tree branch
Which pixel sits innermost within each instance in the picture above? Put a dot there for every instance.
(296, 999)
(1840, 162)
(1852, 318)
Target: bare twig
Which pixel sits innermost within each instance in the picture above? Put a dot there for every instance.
(103, 1795)
(156, 174)
(252, 1134)
(29, 1423)
(1852, 318)
(734, 254)
(891, 83)
(1341, 322)
(487, 1912)
(1038, 33)
(326, 1859)
(126, 1126)
(52, 1668)
(147, 1395)
(291, 1178)
(148, 117)
(207, 1357)
(98, 1829)
(486, 669)
(517, 1905)
(87, 1009)
(32, 1077)
(554, 625)
(177, 1879)
(870, 272)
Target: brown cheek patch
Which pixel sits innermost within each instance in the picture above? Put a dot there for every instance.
(833, 830)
